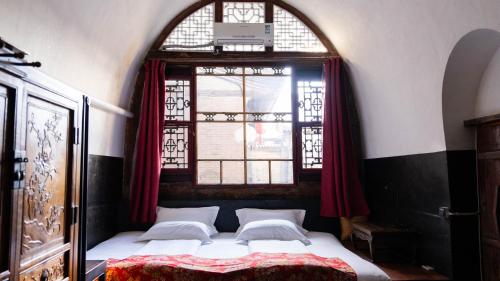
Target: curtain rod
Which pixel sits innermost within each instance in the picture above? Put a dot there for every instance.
(99, 104)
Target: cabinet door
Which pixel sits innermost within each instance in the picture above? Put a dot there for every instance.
(49, 194)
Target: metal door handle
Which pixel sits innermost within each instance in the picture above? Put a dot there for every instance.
(19, 175)
(445, 213)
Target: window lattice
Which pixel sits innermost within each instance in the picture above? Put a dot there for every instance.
(312, 147)
(196, 29)
(175, 147)
(310, 97)
(177, 100)
(292, 35)
(244, 12)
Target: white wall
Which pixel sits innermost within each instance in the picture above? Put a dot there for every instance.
(488, 99)
(94, 46)
(397, 53)
(106, 133)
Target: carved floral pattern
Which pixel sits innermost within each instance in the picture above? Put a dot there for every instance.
(38, 195)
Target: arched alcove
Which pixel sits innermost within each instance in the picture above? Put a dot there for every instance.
(466, 65)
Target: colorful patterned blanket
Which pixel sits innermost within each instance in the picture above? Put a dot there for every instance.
(257, 266)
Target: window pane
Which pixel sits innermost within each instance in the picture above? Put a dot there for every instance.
(310, 98)
(268, 94)
(257, 172)
(292, 35)
(269, 141)
(219, 94)
(208, 172)
(245, 138)
(312, 147)
(220, 141)
(233, 172)
(282, 172)
(196, 29)
(175, 148)
(177, 100)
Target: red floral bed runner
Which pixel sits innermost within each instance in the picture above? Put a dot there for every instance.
(257, 266)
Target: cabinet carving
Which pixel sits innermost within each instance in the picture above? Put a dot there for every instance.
(43, 219)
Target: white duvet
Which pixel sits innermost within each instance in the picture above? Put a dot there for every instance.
(225, 246)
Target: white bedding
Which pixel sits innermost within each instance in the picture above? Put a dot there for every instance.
(225, 246)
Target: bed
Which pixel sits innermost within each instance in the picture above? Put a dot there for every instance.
(225, 246)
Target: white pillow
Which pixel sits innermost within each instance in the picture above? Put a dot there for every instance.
(272, 230)
(178, 230)
(249, 215)
(206, 215)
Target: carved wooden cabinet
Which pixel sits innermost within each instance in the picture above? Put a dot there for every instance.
(40, 175)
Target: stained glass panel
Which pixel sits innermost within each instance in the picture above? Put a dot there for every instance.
(292, 35)
(196, 29)
(312, 147)
(175, 147)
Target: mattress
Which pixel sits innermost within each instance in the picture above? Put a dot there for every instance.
(225, 246)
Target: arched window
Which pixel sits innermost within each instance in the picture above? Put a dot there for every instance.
(243, 114)
(290, 33)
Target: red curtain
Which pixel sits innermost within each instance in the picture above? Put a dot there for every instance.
(341, 193)
(147, 163)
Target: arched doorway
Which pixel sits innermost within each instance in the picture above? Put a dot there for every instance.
(467, 89)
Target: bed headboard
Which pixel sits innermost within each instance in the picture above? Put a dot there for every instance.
(228, 222)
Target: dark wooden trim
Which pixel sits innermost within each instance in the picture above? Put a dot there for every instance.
(482, 120)
(82, 243)
(489, 155)
(186, 190)
(237, 57)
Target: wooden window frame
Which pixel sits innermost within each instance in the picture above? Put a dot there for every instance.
(299, 172)
(235, 58)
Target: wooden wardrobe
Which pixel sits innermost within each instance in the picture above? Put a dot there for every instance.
(39, 176)
(488, 154)
(488, 171)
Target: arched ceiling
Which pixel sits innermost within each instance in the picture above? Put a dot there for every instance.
(396, 50)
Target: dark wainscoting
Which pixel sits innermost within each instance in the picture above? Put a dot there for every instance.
(408, 190)
(464, 229)
(104, 193)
